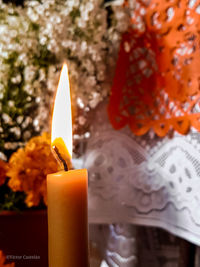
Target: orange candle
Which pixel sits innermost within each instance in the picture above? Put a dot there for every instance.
(66, 191)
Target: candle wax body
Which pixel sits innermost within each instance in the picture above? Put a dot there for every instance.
(68, 218)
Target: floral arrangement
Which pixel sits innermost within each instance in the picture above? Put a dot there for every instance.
(35, 39)
(25, 170)
(24, 65)
(36, 36)
(24, 173)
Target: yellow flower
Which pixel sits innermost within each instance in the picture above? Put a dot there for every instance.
(3, 169)
(3, 259)
(29, 167)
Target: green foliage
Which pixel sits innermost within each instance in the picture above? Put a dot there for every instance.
(9, 200)
(34, 26)
(74, 14)
(44, 58)
(22, 104)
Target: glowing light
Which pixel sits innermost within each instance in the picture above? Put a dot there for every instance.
(62, 115)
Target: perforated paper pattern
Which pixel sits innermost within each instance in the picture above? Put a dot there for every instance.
(157, 80)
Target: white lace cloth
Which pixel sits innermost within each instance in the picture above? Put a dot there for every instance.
(144, 180)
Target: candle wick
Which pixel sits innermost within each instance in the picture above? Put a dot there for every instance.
(60, 158)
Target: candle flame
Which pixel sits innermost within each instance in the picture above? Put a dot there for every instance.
(61, 131)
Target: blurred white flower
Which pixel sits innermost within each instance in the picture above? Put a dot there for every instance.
(37, 39)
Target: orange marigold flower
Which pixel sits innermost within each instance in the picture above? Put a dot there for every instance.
(29, 167)
(3, 259)
(3, 170)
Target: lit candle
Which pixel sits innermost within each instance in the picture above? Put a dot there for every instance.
(66, 191)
